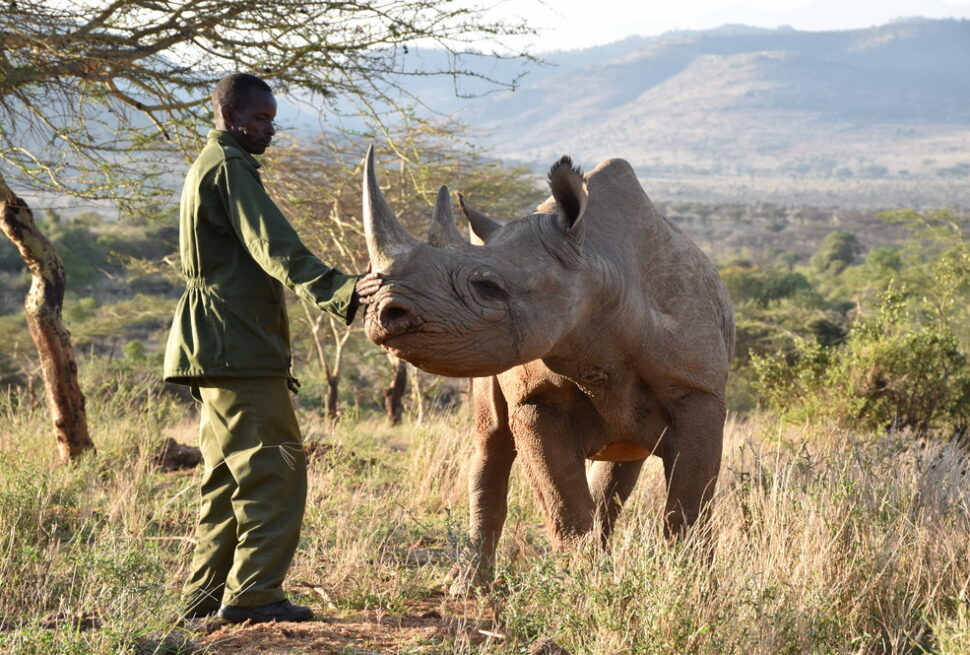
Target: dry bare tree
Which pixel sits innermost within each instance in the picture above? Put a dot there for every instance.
(92, 91)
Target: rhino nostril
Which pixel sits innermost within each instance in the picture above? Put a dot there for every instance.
(393, 316)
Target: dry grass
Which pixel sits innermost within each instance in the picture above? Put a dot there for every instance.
(823, 542)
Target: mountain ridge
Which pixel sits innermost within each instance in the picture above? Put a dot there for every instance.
(747, 101)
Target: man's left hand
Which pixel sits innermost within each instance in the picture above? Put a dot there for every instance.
(367, 286)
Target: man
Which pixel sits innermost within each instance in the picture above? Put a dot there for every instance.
(230, 342)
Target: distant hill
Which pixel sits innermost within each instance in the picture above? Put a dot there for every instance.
(884, 102)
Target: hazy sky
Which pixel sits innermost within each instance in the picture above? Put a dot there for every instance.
(570, 24)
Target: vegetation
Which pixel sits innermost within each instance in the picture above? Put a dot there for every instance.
(843, 527)
(111, 84)
(825, 541)
(877, 343)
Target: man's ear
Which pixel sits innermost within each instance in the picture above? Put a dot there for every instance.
(228, 114)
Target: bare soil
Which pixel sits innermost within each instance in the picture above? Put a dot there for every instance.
(432, 625)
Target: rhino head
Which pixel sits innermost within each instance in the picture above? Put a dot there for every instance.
(454, 308)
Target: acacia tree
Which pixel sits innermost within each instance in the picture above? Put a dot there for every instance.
(319, 187)
(92, 90)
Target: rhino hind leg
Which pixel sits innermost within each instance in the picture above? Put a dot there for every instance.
(610, 484)
(692, 458)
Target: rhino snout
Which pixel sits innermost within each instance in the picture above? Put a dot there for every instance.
(392, 318)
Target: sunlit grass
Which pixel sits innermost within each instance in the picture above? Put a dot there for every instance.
(820, 541)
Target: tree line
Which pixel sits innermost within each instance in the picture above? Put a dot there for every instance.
(871, 338)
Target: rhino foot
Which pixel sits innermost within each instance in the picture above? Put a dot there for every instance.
(466, 578)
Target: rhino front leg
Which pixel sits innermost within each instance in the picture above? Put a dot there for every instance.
(488, 485)
(555, 466)
(692, 459)
(610, 484)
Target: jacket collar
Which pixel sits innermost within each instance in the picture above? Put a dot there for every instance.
(224, 138)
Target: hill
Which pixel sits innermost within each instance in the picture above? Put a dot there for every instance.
(882, 103)
(743, 101)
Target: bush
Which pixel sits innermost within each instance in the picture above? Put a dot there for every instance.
(889, 372)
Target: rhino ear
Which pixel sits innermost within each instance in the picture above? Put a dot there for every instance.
(481, 226)
(569, 190)
(473, 238)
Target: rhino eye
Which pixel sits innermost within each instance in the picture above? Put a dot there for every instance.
(488, 290)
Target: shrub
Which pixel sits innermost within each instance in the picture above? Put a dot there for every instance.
(889, 372)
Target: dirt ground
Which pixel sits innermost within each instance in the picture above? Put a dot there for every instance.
(434, 625)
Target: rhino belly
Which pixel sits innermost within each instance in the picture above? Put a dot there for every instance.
(620, 451)
(635, 425)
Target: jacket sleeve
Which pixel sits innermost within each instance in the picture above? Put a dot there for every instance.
(275, 245)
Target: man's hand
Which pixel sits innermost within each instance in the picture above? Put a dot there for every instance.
(367, 286)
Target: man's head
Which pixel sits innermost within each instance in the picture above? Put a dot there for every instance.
(245, 107)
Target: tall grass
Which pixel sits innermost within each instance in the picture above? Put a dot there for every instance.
(823, 542)
(87, 557)
(820, 541)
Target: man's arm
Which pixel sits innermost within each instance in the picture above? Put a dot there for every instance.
(276, 247)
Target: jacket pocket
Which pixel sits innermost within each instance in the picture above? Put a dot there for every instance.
(254, 335)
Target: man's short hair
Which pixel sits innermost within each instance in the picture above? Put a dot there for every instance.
(235, 90)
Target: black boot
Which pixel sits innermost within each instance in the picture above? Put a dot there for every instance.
(281, 610)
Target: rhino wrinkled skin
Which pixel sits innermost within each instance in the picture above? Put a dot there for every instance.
(594, 330)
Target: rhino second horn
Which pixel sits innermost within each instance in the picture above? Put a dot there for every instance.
(386, 238)
(443, 232)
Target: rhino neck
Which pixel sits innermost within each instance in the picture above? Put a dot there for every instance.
(616, 304)
(602, 326)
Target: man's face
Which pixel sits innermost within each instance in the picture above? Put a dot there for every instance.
(252, 123)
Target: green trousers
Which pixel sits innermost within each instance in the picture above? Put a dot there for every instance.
(253, 493)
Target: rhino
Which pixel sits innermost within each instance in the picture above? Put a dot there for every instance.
(594, 331)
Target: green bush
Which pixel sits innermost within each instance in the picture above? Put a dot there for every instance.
(134, 351)
(890, 371)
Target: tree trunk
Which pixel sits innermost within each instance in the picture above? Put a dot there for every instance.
(43, 310)
(417, 395)
(394, 394)
(330, 403)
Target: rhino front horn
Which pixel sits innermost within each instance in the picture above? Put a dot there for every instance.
(443, 232)
(386, 238)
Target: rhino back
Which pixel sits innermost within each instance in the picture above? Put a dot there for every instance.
(673, 305)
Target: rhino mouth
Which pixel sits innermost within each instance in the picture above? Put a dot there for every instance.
(385, 338)
(388, 340)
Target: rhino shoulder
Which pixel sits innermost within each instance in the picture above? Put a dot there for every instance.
(614, 168)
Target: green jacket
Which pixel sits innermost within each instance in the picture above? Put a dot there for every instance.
(238, 251)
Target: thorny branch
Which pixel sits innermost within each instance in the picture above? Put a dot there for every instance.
(117, 80)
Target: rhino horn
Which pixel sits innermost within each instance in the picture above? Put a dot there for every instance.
(482, 227)
(386, 238)
(443, 233)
